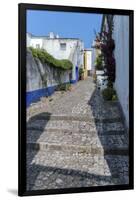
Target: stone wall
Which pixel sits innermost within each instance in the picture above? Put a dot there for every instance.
(42, 79)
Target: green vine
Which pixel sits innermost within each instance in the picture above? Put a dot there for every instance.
(46, 58)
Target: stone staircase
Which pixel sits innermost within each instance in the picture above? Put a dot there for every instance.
(77, 151)
(77, 134)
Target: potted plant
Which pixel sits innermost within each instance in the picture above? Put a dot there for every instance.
(109, 94)
(94, 77)
(99, 63)
(81, 74)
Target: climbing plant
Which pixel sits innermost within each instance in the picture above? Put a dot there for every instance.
(46, 58)
(99, 62)
(106, 44)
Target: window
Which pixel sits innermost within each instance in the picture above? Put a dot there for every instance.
(63, 46)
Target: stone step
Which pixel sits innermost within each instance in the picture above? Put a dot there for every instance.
(69, 131)
(93, 150)
(55, 169)
(78, 142)
(85, 118)
(76, 138)
(63, 130)
(73, 125)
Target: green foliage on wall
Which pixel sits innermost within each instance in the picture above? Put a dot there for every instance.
(99, 62)
(46, 58)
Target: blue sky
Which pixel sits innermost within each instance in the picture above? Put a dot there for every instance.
(66, 24)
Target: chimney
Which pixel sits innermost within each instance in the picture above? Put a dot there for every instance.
(57, 36)
(51, 35)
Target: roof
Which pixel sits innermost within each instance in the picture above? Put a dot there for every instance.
(88, 49)
(47, 37)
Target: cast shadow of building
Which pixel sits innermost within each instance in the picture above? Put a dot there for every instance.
(114, 142)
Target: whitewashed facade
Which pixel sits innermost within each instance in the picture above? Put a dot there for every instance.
(93, 56)
(120, 34)
(89, 60)
(60, 48)
(121, 37)
(42, 80)
(95, 53)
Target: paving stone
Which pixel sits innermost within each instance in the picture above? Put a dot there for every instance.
(76, 140)
(59, 181)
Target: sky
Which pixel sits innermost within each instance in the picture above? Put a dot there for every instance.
(65, 24)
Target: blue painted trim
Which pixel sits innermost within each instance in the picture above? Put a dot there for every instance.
(73, 81)
(77, 73)
(34, 96)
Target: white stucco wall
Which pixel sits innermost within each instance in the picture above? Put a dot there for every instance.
(52, 45)
(28, 38)
(95, 53)
(93, 56)
(36, 41)
(121, 37)
(73, 50)
(89, 59)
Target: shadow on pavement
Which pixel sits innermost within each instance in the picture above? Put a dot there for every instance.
(114, 143)
(46, 177)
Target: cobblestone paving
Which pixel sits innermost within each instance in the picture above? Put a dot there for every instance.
(62, 170)
(75, 139)
(79, 101)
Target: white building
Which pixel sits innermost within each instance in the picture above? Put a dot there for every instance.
(120, 35)
(88, 58)
(60, 48)
(95, 53)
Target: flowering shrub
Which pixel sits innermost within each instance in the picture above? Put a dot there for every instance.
(106, 44)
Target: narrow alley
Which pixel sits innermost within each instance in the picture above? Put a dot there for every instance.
(76, 139)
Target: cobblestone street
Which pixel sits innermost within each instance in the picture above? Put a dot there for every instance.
(76, 139)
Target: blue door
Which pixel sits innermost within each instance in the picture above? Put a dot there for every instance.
(77, 74)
